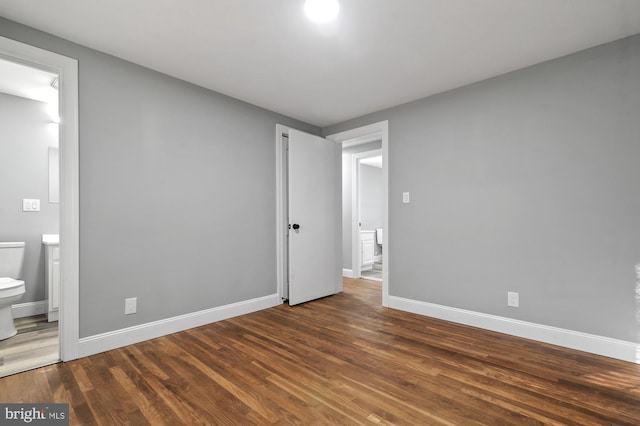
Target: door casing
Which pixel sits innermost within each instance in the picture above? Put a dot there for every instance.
(67, 70)
(361, 134)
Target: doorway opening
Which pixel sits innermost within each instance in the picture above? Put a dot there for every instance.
(366, 211)
(63, 191)
(29, 218)
(361, 245)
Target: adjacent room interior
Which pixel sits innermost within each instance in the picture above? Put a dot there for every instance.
(29, 159)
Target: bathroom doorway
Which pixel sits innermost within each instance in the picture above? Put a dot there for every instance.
(367, 191)
(374, 139)
(40, 136)
(29, 159)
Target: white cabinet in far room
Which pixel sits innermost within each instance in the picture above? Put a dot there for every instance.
(52, 275)
(367, 245)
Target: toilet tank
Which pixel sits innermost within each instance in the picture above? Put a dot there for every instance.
(11, 259)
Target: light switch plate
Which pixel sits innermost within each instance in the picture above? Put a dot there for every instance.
(30, 205)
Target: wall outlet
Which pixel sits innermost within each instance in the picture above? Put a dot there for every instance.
(513, 299)
(130, 305)
(405, 197)
(30, 205)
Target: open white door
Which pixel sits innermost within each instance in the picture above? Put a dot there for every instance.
(315, 217)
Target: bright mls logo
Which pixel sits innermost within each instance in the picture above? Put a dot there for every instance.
(37, 414)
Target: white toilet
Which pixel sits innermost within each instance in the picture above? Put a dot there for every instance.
(11, 288)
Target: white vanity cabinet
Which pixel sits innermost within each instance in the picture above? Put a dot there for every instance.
(52, 275)
(367, 245)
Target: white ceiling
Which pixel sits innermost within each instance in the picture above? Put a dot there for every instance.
(377, 54)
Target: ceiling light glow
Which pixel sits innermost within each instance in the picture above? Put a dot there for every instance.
(321, 10)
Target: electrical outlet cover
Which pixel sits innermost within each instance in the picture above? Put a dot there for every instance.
(130, 305)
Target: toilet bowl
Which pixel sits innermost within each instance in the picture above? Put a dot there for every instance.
(11, 291)
(11, 287)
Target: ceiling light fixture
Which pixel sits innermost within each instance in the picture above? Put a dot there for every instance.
(321, 10)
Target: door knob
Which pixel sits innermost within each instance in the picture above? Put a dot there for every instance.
(296, 226)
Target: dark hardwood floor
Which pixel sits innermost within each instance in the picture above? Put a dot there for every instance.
(339, 360)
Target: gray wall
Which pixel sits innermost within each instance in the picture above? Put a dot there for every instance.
(346, 197)
(526, 182)
(26, 133)
(177, 191)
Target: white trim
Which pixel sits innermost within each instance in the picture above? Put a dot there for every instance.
(356, 244)
(29, 309)
(281, 213)
(361, 133)
(372, 137)
(127, 336)
(377, 258)
(599, 345)
(347, 273)
(53, 316)
(67, 70)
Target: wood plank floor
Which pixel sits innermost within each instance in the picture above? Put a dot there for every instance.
(339, 360)
(35, 345)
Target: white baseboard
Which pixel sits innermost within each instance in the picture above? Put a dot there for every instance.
(347, 273)
(599, 345)
(127, 336)
(53, 316)
(29, 309)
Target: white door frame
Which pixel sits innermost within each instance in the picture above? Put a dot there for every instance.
(67, 70)
(363, 133)
(356, 252)
(281, 213)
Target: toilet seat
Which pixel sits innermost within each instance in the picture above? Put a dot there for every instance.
(10, 287)
(6, 283)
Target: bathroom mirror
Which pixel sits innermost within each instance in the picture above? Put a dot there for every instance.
(54, 175)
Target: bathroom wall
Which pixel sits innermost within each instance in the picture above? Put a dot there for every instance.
(526, 182)
(26, 133)
(371, 206)
(346, 197)
(177, 191)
